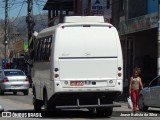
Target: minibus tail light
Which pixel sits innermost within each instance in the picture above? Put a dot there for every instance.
(56, 69)
(119, 74)
(119, 68)
(56, 75)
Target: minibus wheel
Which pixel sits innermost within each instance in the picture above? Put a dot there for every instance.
(26, 92)
(105, 111)
(36, 103)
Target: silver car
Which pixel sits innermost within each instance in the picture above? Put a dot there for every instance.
(13, 80)
(150, 95)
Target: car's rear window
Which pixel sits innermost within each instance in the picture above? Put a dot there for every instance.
(14, 73)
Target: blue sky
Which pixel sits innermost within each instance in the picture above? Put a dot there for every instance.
(19, 8)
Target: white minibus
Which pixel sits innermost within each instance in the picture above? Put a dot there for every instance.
(78, 64)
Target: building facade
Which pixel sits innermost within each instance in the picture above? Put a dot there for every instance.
(138, 31)
(136, 21)
(57, 9)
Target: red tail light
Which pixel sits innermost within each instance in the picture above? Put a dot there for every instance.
(5, 80)
(56, 72)
(119, 68)
(56, 75)
(56, 69)
(119, 74)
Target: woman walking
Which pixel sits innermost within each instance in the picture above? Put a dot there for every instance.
(134, 87)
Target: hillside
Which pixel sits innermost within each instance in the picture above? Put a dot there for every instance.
(21, 25)
(17, 28)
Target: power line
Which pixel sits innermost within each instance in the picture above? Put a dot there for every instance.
(13, 2)
(18, 12)
(13, 8)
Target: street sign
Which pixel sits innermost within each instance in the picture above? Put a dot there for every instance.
(25, 46)
(4, 61)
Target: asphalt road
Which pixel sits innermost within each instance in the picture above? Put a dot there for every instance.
(21, 105)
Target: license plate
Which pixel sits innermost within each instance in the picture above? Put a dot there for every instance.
(76, 83)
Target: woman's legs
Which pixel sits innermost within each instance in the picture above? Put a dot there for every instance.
(135, 97)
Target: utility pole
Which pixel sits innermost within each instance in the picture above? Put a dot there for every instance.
(6, 28)
(30, 22)
(158, 41)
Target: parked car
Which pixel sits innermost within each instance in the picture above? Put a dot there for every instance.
(13, 80)
(150, 95)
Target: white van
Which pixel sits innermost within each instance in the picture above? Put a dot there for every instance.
(78, 64)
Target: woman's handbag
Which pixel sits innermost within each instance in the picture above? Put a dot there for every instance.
(130, 104)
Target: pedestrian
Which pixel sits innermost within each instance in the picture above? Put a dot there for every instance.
(134, 87)
(6, 66)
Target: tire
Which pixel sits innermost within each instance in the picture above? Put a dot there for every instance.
(15, 92)
(1, 91)
(109, 111)
(92, 110)
(26, 92)
(45, 100)
(141, 105)
(37, 105)
(47, 106)
(105, 111)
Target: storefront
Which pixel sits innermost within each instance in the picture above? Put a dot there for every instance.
(139, 44)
